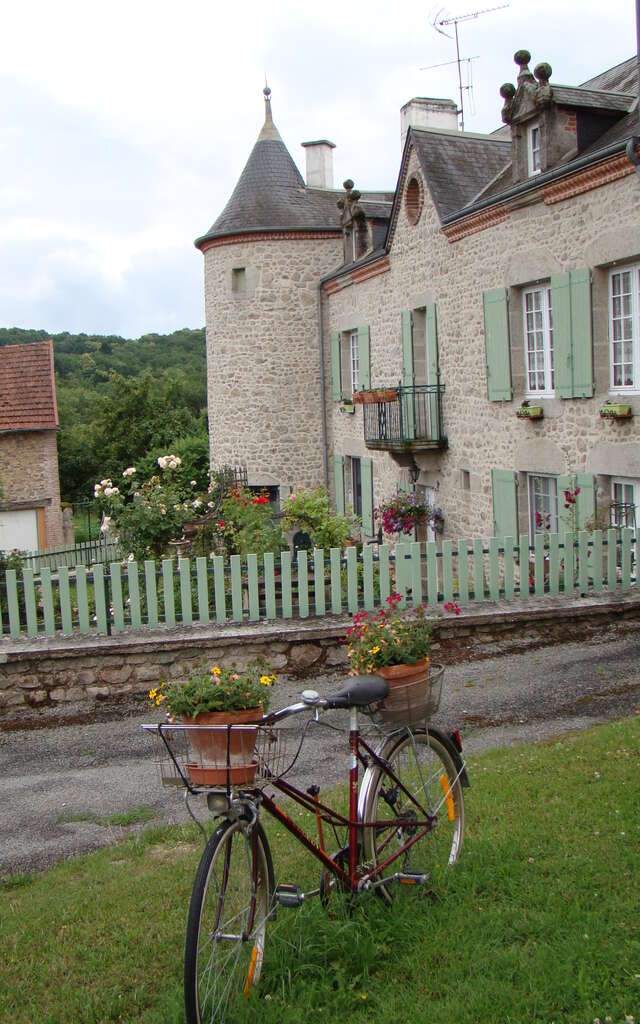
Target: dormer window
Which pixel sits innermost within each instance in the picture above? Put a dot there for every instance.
(533, 147)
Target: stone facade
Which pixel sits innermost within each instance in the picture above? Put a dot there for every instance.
(263, 356)
(29, 477)
(598, 229)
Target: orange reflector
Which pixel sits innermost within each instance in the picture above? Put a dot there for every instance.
(252, 970)
(446, 789)
(407, 881)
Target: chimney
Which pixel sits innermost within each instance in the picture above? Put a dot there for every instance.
(424, 112)
(319, 163)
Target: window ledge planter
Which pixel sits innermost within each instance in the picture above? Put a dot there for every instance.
(376, 395)
(615, 411)
(530, 412)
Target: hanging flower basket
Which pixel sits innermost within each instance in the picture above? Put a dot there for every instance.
(376, 396)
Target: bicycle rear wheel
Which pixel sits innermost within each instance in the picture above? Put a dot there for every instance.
(427, 789)
(226, 927)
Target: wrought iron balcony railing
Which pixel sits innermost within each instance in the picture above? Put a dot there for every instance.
(404, 418)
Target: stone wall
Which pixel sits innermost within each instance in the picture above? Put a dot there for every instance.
(263, 356)
(595, 229)
(29, 473)
(57, 680)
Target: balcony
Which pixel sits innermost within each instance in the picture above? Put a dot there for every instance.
(404, 419)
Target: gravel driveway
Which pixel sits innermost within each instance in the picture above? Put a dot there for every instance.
(55, 781)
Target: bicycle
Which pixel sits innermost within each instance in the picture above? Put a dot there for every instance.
(404, 825)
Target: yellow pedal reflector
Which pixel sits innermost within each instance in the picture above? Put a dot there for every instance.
(252, 970)
(448, 798)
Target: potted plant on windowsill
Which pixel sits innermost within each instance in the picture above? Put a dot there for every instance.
(222, 707)
(616, 411)
(529, 412)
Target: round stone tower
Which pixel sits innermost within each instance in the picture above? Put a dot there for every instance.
(264, 257)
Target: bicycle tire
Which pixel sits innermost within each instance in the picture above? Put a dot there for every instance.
(422, 763)
(224, 947)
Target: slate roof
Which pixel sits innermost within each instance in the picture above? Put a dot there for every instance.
(621, 78)
(570, 96)
(271, 194)
(27, 388)
(456, 166)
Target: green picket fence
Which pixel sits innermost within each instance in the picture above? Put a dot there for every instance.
(109, 599)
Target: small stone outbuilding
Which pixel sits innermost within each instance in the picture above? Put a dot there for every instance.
(30, 510)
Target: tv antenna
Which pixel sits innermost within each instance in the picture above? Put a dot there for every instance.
(441, 20)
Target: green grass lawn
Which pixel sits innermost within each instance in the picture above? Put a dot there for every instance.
(539, 921)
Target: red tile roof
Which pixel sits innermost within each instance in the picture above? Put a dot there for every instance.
(27, 388)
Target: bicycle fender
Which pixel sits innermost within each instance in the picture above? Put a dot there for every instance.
(451, 748)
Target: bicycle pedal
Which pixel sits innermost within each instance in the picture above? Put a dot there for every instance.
(289, 895)
(412, 877)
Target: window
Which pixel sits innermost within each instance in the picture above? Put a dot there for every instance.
(239, 280)
(624, 319)
(349, 363)
(353, 474)
(533, 149)
(538, 342)
(413, 198)
(543, 505)
(625, 497)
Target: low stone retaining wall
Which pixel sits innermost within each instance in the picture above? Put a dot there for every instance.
(43, 680)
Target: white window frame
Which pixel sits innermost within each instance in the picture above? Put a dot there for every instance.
(353, 361)
(627, 491)
(543, 341)
(537, 485)
(533, 149)
(632, 318)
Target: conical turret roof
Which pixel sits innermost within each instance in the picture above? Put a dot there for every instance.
(271, 194)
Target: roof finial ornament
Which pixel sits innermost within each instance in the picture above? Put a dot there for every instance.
(266, 92)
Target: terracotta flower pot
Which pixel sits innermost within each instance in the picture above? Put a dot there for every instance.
(409, 697)
(223, 755)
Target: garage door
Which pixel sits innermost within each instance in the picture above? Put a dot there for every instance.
(19, 529)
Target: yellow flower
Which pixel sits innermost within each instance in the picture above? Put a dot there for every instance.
(374, 650)
(160, 698)
(265, 680)
(215, 671)
(152, 694)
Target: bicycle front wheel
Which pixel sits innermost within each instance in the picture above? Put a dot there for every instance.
(423, 786)
(226, 928)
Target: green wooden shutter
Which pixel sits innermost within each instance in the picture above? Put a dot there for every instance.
(338, 479)
(406, 405)
(572, 349)
(561, 319)
(366, 471)
(586, 500)
(505, 503)
(565, 517)
(432, 367)
(364, 359)
(334, 343)
(581, 345)
(496, 341)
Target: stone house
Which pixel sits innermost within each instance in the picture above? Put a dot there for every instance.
(30, 511)
(482, 345)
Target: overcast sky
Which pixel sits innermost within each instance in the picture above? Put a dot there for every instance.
(124, 127)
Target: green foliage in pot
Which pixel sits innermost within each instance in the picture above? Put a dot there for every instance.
(388, 637)
(212, 688)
